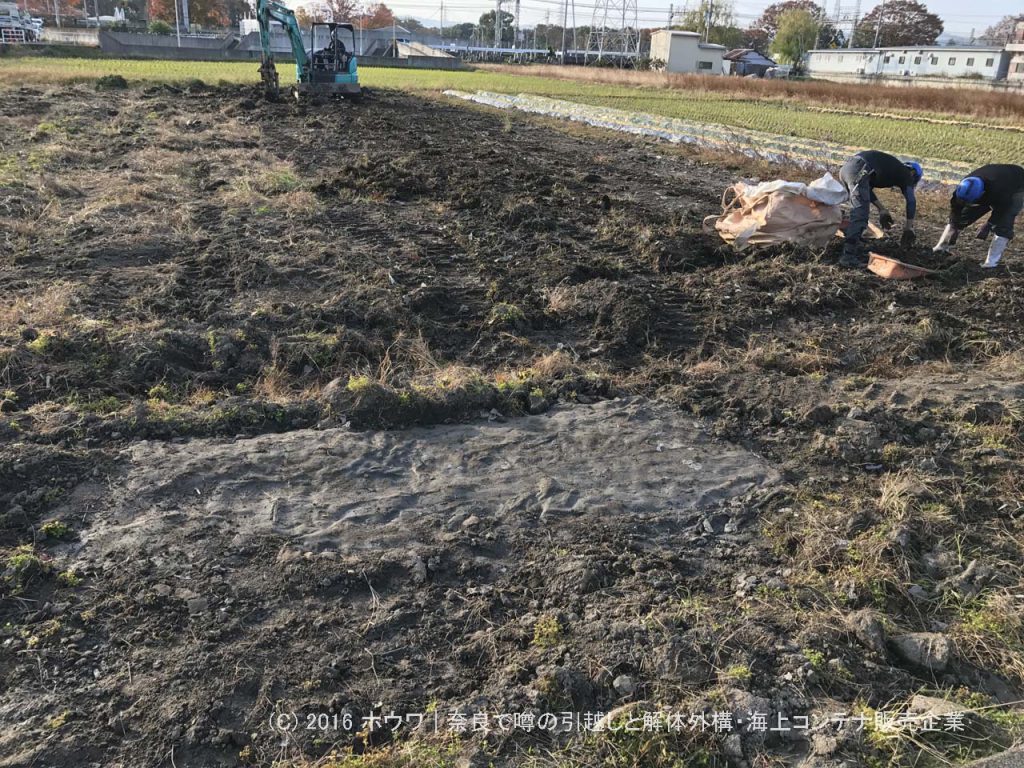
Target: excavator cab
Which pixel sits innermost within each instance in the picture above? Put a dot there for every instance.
(332, 61)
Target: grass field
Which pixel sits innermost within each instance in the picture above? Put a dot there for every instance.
(908, 132)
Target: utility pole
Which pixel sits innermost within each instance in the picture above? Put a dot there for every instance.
(878, 26)
(497, 23)
(707, 25)
(671, 15)
(515, 42)
(565, 24)
(177, 23)
(442, 22)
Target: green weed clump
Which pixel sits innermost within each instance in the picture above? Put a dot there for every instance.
(68, 579)
(547, 632)
(505, 315)
(20, 566)
(55, 529)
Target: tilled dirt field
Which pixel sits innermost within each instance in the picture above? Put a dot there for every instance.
(213, 309)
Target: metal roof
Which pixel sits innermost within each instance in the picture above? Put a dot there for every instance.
(750, 56)
(917, 48)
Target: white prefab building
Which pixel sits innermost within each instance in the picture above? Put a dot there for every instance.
(933, 61)
(1015, 74)
(684, 52)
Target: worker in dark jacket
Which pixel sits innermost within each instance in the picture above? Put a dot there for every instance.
(995, 188)
(863, 174)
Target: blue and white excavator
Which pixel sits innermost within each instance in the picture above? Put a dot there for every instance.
(328, 68)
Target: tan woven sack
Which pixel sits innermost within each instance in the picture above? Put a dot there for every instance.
(769, 218)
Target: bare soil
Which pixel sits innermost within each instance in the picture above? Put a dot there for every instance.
(197, 273)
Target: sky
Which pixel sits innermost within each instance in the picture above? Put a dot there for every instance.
(960, 17)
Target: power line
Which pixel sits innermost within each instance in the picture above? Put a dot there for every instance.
(660, 11)
(654, 16)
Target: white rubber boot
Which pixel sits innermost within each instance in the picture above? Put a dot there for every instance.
(995, 252)
(945, 242)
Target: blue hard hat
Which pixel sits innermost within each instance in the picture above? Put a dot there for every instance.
(970, 189)
(917, 169)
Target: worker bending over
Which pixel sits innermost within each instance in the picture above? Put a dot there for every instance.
(863, 174)
(995, 188)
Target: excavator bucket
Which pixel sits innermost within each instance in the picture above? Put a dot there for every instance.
(271, 82)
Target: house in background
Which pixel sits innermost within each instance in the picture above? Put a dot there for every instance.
(747, 61)
(684, 52)
(1015, 73)
(946, 62)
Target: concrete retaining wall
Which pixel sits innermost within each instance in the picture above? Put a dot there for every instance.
(412, 62)
(924, 82)
(166, 46)
(70, 35)
(228, 49)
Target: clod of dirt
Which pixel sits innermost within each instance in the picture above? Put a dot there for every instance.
(935, 707)
(927, 650)
(819, 414)
(111, 83)
(868, 629)
(624, 685)
(988, 412)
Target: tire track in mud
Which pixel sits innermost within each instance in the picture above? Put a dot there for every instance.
(674, 321)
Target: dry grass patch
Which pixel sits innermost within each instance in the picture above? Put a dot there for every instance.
(157, 162)
(990, 632)
(265, 184)
(48, 308)
(706, 370)
(562, 300)
(280, 388)
(554, 365)
(951, 101)
(772, 354)
(124, 198)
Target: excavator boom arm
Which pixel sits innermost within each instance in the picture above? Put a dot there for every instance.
(270, 10)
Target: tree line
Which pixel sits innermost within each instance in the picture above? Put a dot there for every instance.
(785, 30)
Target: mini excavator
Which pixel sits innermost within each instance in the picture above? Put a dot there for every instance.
(328, 69)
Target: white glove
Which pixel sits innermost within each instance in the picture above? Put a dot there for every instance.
(945, 244)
